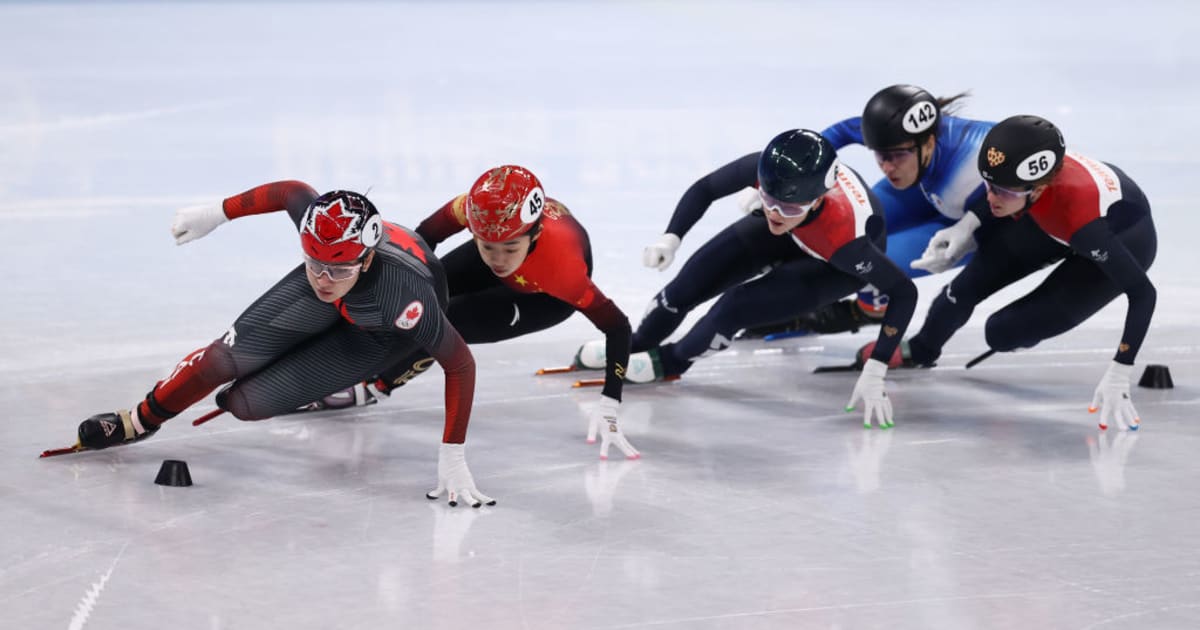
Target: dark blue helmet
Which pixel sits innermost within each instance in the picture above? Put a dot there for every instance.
(797, 166)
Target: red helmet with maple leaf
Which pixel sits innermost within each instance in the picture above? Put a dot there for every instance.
(504, 203)
(340, 226)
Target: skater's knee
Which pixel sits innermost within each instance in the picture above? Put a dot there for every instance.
(728, 316)
(216, 365)
(1007, 330)
(958, 295)
(237, 403)
(671, 300)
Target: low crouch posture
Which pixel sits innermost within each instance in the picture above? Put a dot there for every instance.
(367, 293)
(1050, 206)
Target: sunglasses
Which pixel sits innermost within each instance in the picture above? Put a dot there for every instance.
(784, 208)
(335, 271)
(1005, 193)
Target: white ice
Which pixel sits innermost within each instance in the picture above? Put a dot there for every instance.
(994, 503)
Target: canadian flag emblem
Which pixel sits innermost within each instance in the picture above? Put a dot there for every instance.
(410, 315)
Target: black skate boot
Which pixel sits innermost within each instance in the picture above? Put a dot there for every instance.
(901, 358)
(841, 316)
(837, 317)
(113, 429)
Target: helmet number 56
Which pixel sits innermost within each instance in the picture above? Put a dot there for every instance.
(1036, 166)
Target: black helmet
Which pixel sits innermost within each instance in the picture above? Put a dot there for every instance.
(1021, 151)
(898, 114)
(797, 166)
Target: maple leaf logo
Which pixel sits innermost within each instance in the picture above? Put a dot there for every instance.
(328, 224)
(410, 315)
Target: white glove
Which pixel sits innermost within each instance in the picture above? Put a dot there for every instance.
(659, 254)
(949, 245)
(603, 420)
(869, 389)
(455, 477)
(194, 222)
(1112, 398)
(749, 200)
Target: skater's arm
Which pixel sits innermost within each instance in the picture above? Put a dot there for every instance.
(452, 353)
(722, 182)
(445, 222)
(194, 222)
(1096, 242)
(618, 334)
(862, 259)
(845, 132)
(290, 195)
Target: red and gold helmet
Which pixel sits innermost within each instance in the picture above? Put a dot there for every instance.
(504, 203)
(340, 226)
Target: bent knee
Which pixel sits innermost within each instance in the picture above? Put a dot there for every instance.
(1006, 331)
(237, 403)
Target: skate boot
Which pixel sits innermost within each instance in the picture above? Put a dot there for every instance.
(357, 395)
(842, 316)
(645, 367)
(113, 429)
(836, 317)
(901, 358)
(591, 356)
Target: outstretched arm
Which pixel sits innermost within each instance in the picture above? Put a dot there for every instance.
(195, 222)
(722, 182)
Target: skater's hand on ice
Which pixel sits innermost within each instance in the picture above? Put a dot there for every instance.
(603, 420)
(455, 479)
(869, 389)
(1112, 398)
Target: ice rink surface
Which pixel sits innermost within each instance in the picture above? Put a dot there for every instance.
(994, 503)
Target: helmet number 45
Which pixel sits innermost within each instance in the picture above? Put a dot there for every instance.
(533, 206)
